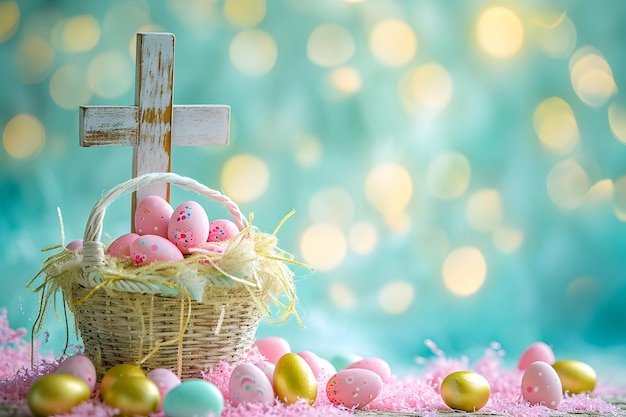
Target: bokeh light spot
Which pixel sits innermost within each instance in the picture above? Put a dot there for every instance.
(200, 16)
(398, 222)
(396, 297)
(388, 188)
(244, 13)
(500, 32)
(393, 42)
(591, 77)
(426, 89)
(567, 184)
(555, 125)
(332, 205)
(558, 39)
(619, 199)
(110, 74)
(245, 178)
(323, 246)
(601, 192)
(346, 80)
(342, 296)
(363, 238)
(35, 59)
(80, 33)
(330, 45)
(24, 136)
(9, 19)
(508, 239)
(308, 151)
(68, 87)
(253, 52)
(464, 270)
(484, 211)
(617, 121)
(448, 176)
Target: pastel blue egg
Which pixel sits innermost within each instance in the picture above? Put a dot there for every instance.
(192, 398)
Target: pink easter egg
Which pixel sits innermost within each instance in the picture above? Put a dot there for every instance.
(80, 366)
(249, 384)
(165, 380)
(273, 347)
(152, 216)
(542, 385)
(375, 365)
(120, 247)
(75, 245)
(320, 366)
(189, 226)
(538, 351)
(268, 369)
(353, 388)
(221, 230)
(149, 248)
(212, 247)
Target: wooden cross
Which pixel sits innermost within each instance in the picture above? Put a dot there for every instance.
(149, 126)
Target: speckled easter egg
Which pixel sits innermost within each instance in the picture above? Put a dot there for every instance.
(188, 227)
(320, 366)
(75, 245)
(54, 394)
(353, 388)
(249, 384)
(373, 364)
(221, 230)
(152, 216)
(80, 366)
(119, 371)
(120, 247)
(273, 347)
(268, 369)
(132, 396)
(165, 380)
(575, 376)
(192, 398)
(149, 248)
(294, 379)
(541, 385)
(465, 390)
(538, 351)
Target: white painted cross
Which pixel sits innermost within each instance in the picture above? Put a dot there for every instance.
(153, 125)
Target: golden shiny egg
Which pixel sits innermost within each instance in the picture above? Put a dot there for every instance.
(465, 390)
(116, 372)
(293, 379)
(56, 394)
(576, 376)
(133, 395)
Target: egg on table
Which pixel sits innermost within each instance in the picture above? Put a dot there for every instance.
(249, 384)
(576, 376)
(465, 390)
(132, 396)
(353, 388)
(537, 351)
(54, 394)
(80, 366)
(194, 397)
(541, 385)
(294, 379)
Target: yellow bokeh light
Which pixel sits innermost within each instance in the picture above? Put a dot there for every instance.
(567, 184)
(347, 80)
(245, 178)
(601, 192)
(508, 239)
(617, 121)
(448, 176)
(330, 45)
(68, 87)
(24, 136)
(110, 74)
(396, 297)
(426, 89)
(393, 42)
(619, 199)
(244, 13)
(555, 125)
(9, 19)
(363, 238)
(464, 270)
(388, 188)
(35, 59)
(308, 151)
(558, 39)
(253, 52)
(591, 77)
(332, 205)
(342, 296)
(500, 32)
(323, 246)
(80, 33)
(398, 222)
(484, 211)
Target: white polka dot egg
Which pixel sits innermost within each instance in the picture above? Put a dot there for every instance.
(541, 385)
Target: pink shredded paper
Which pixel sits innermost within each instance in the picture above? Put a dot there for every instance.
(411, 394)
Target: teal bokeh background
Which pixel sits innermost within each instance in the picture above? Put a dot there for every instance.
(550, 228)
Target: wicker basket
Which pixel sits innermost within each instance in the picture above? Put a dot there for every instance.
(125, 319)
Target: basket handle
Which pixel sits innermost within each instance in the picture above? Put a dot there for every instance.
(93, 249)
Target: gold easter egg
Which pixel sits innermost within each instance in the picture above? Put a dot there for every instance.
(294, 379)
(465, 390)
(56, 394)
(576, 376)
(116, 373)
(133, 395)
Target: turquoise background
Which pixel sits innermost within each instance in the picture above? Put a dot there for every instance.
(552, 232)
